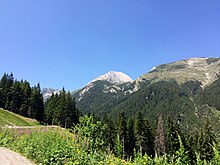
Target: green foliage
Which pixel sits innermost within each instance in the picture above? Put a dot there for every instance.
(181, 154)
(51, 147)
(91, 133)
(58, 146)
(118, 147)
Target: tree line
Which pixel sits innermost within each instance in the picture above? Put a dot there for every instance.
(129, 136)
(19, 97)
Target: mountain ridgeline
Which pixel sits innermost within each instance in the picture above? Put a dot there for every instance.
(187, 91)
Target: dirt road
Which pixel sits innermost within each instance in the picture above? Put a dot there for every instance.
(8, 157)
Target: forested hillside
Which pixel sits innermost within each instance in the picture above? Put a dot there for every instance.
(20, 98)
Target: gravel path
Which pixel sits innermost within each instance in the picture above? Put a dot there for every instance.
(8, 157)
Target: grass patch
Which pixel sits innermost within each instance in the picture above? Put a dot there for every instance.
(11, 119)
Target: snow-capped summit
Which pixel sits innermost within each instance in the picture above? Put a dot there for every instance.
(114, 77)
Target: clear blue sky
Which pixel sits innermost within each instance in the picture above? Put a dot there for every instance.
(70, 42)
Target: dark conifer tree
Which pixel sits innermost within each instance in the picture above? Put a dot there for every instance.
(122, 132)
(72, 114)
(160, 141)
(148, 139)
(36, 108)
(3, 92)
(144, 136)
(131, 138)
(48, 115)
(16, 99)
(26, 93)
(5, 88)
(173, 131)
(139, 125)
(190, 147)
(110, 132)
(207, 140)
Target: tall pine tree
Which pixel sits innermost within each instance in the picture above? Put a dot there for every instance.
(173, 131)
(160, 140)
(131, 138)
(144, 136)
(36, 108)
(122, 132)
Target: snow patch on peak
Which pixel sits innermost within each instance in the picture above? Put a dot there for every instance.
(114, 77)
(153, 68)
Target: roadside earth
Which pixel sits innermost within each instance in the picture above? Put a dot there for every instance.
(8, 157)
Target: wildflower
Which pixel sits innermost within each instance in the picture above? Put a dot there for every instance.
(46, 129)
(74, 137)
(20, 132)
(29, 132)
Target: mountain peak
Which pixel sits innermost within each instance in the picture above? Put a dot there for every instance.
(114, 77)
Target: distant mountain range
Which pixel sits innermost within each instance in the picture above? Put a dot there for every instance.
(187, 91)
(47, 92)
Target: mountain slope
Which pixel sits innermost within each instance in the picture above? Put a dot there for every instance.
(187, 91)
(103, 92)
(182, 103)
(204, 70)
(11, 119)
